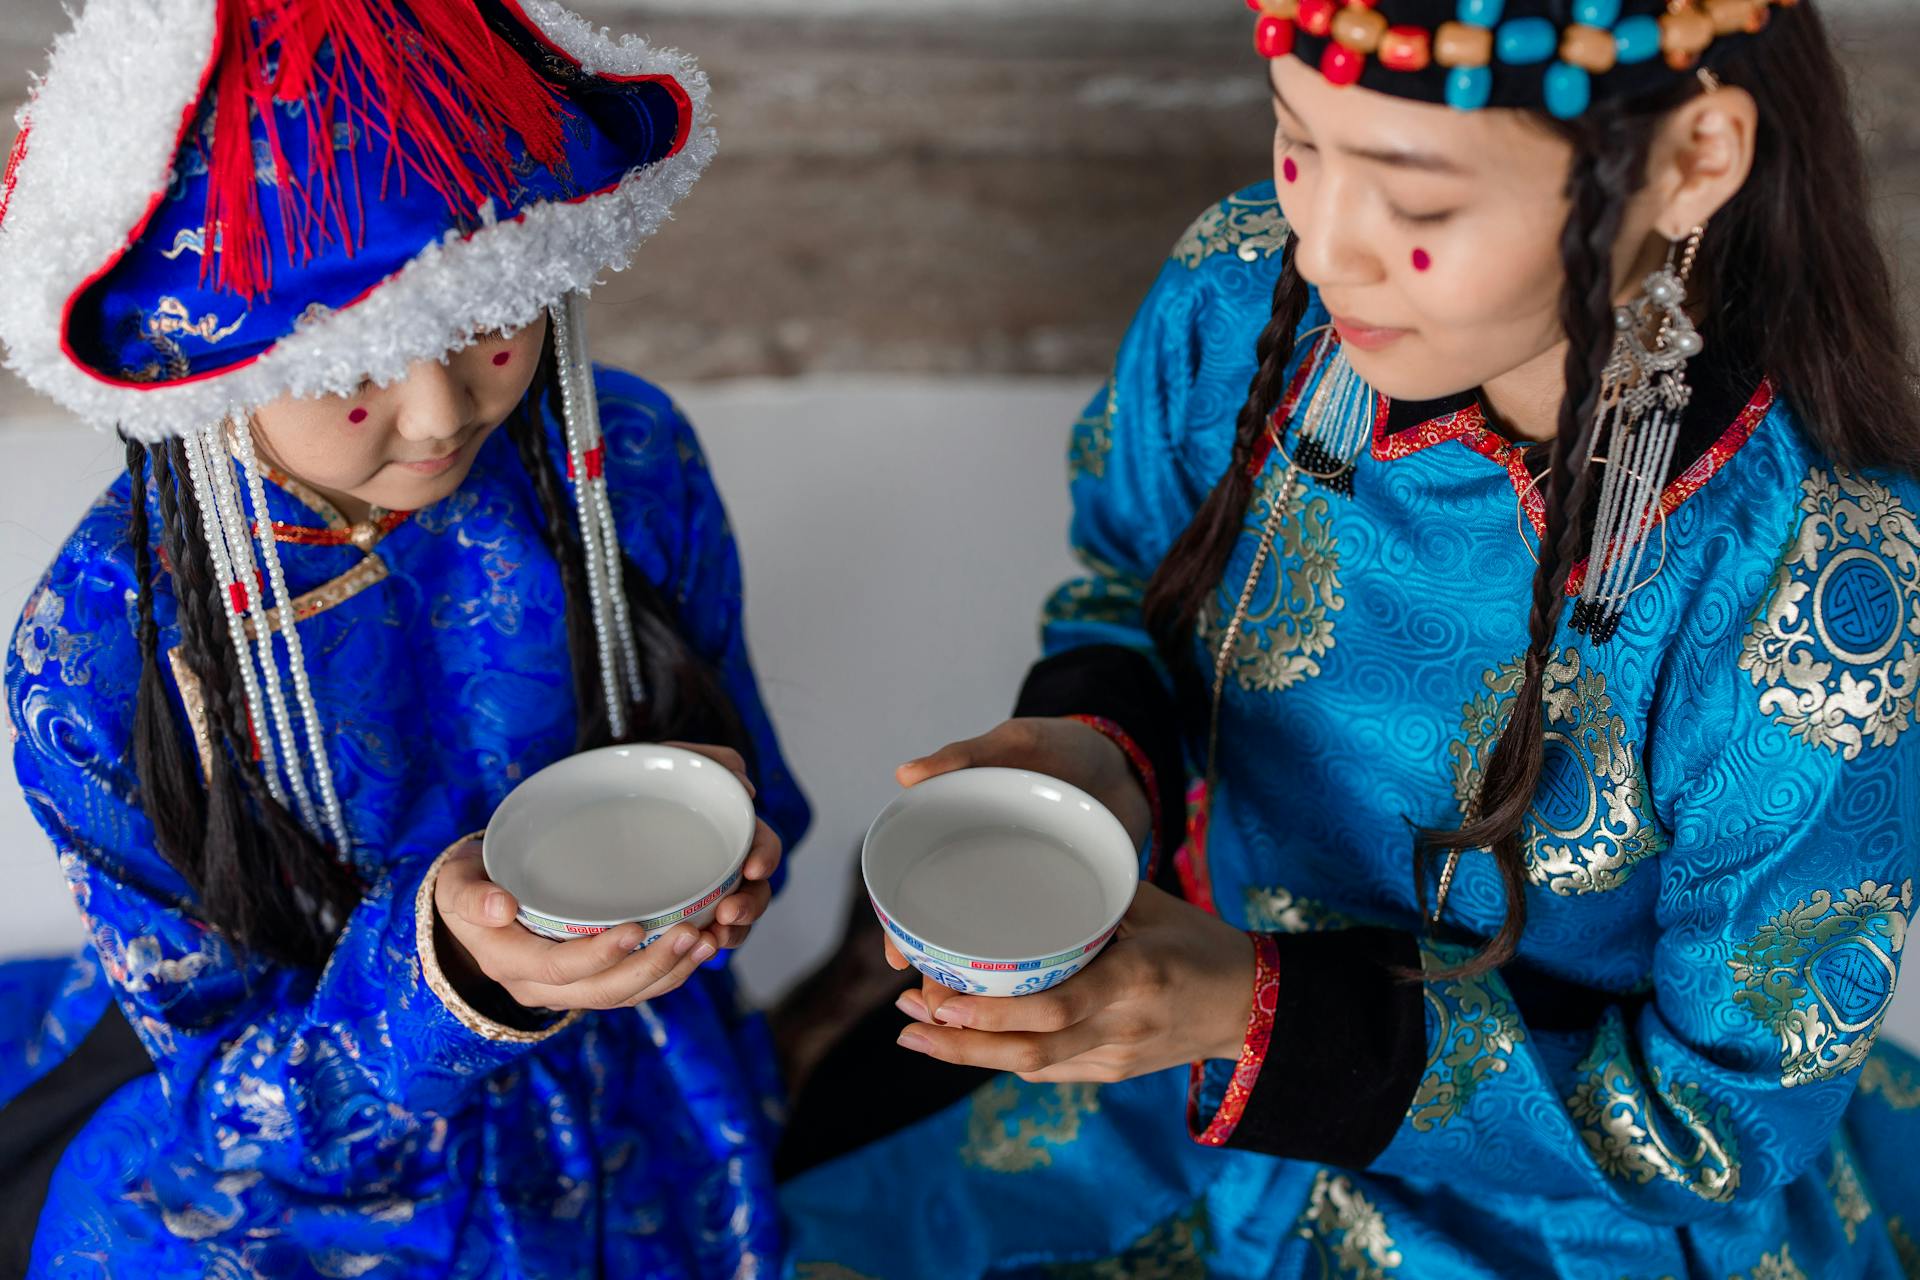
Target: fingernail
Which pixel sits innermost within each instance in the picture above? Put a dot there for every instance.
(628, 939)
(703, 953)
(911, 1039)
(684, 943)
(912, 1005)
(953, 1017)
(496, 907)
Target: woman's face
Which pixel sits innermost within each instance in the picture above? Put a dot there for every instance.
(409, 444)
(1432, 234)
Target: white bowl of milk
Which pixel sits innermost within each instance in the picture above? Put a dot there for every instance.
(999, 882)
(647, 834)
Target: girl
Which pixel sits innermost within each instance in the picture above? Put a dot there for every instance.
(372, 563)
(1544, 634)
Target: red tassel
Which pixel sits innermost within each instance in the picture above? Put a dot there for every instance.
(430, 78)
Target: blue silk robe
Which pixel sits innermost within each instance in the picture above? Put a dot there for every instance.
(1721, 856)
(351, 1122)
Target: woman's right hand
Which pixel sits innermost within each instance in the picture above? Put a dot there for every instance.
(1060, 748)
(599, 972)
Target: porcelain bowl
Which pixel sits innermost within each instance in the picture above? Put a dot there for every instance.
(648, 834)
(999, 882)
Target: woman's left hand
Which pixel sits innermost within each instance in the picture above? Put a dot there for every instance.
(1175, 986)
(738, 911)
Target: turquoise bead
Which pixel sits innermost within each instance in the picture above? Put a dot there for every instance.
(1525, 41)
(1637, 38)
(1469, 88)
(1569, 90)
(1596, 13)
(1481, 13)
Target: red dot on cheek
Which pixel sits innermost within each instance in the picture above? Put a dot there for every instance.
(1289, 170)
(357, 417)
(502, 357)
(1422, 259)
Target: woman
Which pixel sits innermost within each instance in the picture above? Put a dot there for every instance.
(1544, 633)
(387, 544)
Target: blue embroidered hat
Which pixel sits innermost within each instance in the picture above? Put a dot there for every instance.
(292, 196)
(1556, 55)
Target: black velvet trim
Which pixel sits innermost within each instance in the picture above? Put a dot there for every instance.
(1349, 1048)
(1122, 685)
(37, 1126)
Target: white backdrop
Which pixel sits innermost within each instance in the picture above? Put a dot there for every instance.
(899, 537)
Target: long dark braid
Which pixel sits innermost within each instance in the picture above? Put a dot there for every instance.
(1609, 166)
(261, 878)
(1193, 567)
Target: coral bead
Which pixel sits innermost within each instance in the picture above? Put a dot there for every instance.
(1405, 49)
(1341, 65)
(1273, 37)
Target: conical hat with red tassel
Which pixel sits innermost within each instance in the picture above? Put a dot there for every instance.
(215, 203)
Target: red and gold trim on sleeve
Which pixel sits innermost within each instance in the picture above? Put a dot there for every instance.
(1142, 769)
(1253, 1051)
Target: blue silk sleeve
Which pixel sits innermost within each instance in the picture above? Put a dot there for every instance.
(330, 1081)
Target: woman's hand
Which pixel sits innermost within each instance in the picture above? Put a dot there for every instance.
(1060, 748)
(599, 972)
(1175, 986)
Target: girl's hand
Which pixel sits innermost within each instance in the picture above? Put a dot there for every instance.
(1175, 986)
(600, 972)
(739, 910)
(603, 971)
(1059, 748)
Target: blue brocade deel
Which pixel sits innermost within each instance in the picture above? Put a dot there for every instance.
(347, 1122)
(1721, 857)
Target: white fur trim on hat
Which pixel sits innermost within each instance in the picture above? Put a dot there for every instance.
(104, 124)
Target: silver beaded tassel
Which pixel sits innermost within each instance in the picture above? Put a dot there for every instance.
(238, 544)
(620, 674)
(1643, 400)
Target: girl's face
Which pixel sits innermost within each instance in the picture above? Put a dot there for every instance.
(1432, 234)
(407, 445)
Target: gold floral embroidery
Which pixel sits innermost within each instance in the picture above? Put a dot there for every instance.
(1835, 648)
(1820, 976)
(1850, 1203)
(1625, 1141)
(1900, 1089)
(1108, 596)
(1274, 909)
(1013, 1127)
(436, 979)
(1590, 824)
(1774, 1266)
(1171, 1251)
(1348, 1235)
(206, 1221)
(1093, 437)
(1249, 229)
(1472, 1032)
(1290, 618)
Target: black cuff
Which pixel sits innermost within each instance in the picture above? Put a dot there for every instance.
(1349, 1047)
(1122, 685)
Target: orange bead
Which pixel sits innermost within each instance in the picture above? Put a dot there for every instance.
(1405, 49)
(1730, 16)
(1359, 28)
(1589, 48)
(1456, 44)
(1689, 33)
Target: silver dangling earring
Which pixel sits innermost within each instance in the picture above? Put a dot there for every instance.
(1643, 400)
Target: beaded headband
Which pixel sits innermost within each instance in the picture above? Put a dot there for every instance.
(1503, 53)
